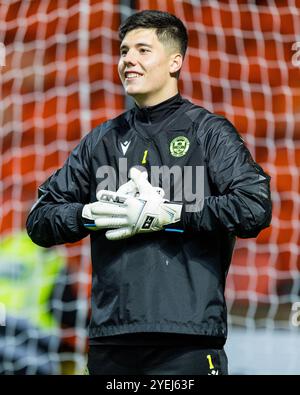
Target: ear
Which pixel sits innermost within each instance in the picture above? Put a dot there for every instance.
(175, 63)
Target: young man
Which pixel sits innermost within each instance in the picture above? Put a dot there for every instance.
(159, 262)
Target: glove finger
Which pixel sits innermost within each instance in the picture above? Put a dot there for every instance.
(142, 183)
(159, 191)
(110, 196)
(118, 234)
(129, 188)
(106, 209)
(110, 222)
(140, 179)
(135, 173)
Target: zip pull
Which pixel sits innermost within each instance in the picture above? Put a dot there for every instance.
(144, 160)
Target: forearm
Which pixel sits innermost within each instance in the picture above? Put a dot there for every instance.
(53, 224)
(245, 211)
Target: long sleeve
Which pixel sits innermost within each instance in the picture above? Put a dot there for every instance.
(242, 202)
(56, 217)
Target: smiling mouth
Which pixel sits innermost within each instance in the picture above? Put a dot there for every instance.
(131, 76)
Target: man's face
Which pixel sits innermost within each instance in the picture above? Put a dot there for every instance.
(145, 66)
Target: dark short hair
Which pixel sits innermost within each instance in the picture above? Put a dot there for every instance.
(168, 27)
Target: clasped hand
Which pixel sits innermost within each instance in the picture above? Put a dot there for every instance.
(137, 207)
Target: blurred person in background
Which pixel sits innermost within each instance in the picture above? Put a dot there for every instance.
(34, 290)
(160, 259)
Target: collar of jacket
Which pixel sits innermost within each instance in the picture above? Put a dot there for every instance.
(159, 112)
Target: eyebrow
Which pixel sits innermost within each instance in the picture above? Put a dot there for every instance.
(136, 45)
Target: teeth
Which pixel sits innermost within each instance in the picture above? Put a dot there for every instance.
(132, 75)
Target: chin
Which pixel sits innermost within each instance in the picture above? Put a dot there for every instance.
(130, 90)
(134, 92)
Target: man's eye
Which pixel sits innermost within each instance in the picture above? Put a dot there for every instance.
(143, 50)
(123, 53)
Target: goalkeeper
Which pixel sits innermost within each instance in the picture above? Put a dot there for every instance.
(159, 262)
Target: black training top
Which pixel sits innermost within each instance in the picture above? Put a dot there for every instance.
(160, 282)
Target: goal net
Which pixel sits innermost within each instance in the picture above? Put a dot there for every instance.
(60, 80)
(242, 63)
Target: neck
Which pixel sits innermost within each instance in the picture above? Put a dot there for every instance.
(146, 101)
(159, 112)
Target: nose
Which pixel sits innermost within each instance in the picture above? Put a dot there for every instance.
(129, 58)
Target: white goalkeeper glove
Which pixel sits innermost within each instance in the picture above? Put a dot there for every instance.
(147, 212)
(128, 189)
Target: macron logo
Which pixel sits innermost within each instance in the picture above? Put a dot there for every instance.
(125, 146)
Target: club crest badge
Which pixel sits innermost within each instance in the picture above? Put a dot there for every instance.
(179, 146)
